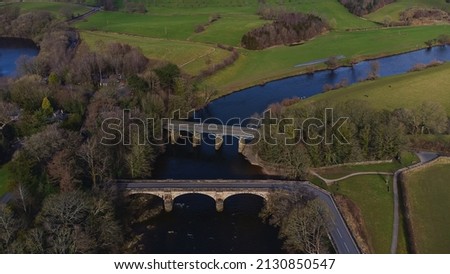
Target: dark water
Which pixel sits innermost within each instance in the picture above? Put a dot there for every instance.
(10, 51)
(196, 227)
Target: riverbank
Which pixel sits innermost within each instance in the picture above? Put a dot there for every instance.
(348, 62)
(266, 167)
(261, 67)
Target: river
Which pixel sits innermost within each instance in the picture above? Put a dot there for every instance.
(194, 226)
(10, 51)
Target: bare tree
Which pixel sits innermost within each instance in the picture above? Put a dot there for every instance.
(433, 118)
(41, 146)
(305, 229)
(332, 62)
(96, 159)
(374, 70)
(61, 170)
(8, 113)
(8, 228)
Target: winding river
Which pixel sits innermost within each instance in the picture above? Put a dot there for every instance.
(194, 226)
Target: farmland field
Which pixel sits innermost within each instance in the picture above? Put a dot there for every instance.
(427, 193)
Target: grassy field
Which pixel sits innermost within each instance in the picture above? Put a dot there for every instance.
(54, 7)
(176, 20)
(377, 211)
(257, 67)
(407, 159)
(4, 180)
(393, 10)
(405, 90)
(191, 57)
(427, 197)
(179, 23)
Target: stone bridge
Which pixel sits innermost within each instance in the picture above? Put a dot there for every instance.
(219, 190)
(175, 127)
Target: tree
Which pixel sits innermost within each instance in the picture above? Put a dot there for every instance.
(167, 76)
(433, 118)
(46, 106)
(429, 43)
(41, 146)
(305, 229)
(139, 159)
(9, 226)
(444, 39)
(332, 62)
(280, 203)
(76, 222)
(28, 92)
(96, 159)
(374, 70)
(8, 113)
(61, 170)
(60, 216)
(301, 218)
(297, 161)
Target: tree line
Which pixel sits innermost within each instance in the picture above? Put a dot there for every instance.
(50, 130)
(287, 28)
(371, 134)
(363, 7)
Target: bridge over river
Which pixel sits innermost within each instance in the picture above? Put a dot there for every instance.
(220, 190)
(175, 127)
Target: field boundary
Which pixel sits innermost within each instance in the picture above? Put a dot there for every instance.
(411, 242)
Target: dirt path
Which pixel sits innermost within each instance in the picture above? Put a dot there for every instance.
(332, 181)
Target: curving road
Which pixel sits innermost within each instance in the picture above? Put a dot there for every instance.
(338, 230)
(425, 157)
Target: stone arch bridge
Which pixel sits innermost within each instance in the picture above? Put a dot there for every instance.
(219, 190)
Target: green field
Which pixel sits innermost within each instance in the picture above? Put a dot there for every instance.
(53, 7)
(427, 197)
(406, 90)
(393, 10)
(191, 57)
(257, 67)
(4, 180)
(371, 195)
(407, 159)
(175, 21)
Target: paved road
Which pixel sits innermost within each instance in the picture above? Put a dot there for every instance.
(92, 11)
(338, 230)
(216, 129)
(424, 157)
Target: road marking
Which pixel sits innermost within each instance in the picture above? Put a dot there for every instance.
(340, 235)
(346, 247)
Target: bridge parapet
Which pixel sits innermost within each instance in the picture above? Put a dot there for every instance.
(219, 196)
(174, 128)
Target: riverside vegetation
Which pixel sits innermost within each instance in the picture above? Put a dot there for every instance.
(62, 170)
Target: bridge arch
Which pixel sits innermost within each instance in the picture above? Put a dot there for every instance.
(206, 196)
(262, 195)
